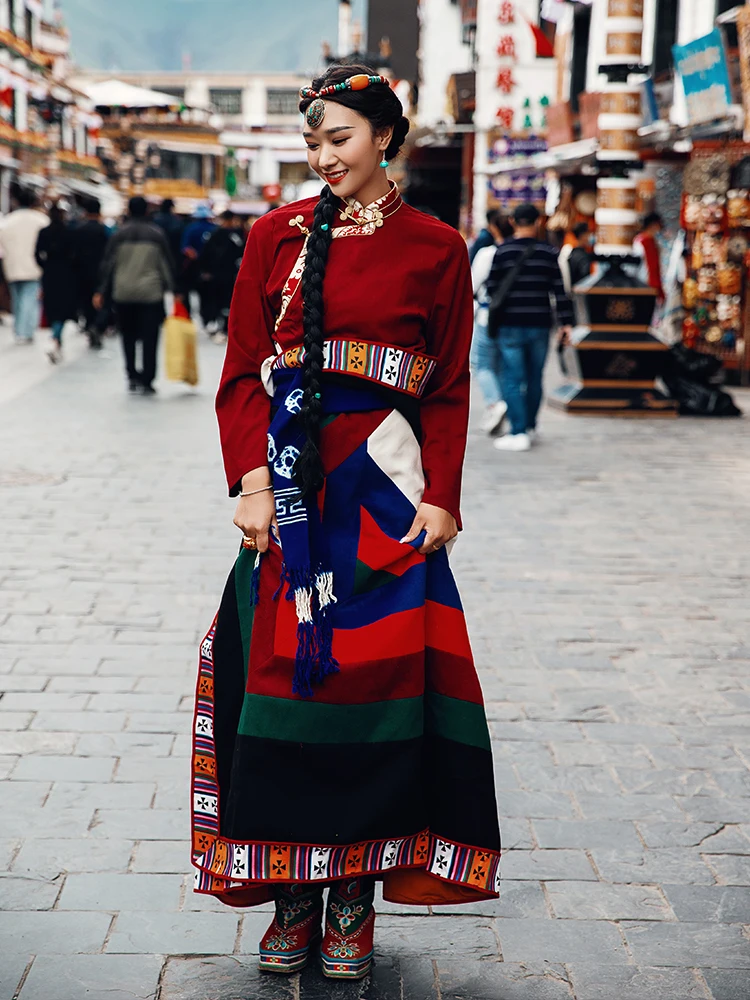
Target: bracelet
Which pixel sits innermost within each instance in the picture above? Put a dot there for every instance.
(252, 493)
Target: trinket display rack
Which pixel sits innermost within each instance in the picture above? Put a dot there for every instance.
(613, 360)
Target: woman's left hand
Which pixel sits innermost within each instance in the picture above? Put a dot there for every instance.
(440, 526)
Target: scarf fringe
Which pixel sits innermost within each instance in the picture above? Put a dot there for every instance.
(255, 582)
(313, 595)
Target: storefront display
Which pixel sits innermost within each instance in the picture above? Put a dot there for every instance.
(716, 219)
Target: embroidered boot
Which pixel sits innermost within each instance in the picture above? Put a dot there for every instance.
(347, 947)
(294, 931)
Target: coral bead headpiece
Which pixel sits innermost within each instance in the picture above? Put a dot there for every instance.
(317, 110)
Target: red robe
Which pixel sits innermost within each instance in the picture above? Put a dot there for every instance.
(407, 285)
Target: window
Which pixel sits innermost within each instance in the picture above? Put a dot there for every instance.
(664, 37)
(282, 101)
(28, 26)
(226, 101)
(730, 30)
(178, 92)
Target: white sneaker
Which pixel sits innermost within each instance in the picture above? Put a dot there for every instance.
(513, 442)
(494, 416)
(533, 435)
(54, 352)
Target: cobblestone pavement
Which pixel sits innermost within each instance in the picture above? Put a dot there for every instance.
(606, 580)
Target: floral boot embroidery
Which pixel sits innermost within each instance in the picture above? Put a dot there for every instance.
(294, 930)
(346, 952)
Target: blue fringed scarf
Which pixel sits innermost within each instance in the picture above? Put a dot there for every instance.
(306, 568)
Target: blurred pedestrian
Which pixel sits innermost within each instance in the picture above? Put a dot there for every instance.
(485, 351)
(55, 254)
(646, 244)
(136, 273)
(575, 258)
(90, 240)
(18, 235)
(490, 236)
(171, 225)
(194, 238)
(218, 265)
(524, 279)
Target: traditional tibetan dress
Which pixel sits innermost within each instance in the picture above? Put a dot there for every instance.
(339, 726)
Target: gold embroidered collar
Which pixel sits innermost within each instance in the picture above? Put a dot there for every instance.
(374, 213)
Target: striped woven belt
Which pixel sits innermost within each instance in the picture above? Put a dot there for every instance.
(390, 366)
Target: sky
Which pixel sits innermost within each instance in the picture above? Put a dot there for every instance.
(232, 35)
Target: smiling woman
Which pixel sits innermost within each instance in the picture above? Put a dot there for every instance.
(340, 735)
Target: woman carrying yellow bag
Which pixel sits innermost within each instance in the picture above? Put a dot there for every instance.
(181, 352)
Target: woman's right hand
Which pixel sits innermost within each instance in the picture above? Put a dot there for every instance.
(255, 515)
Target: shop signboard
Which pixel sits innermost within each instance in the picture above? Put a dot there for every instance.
(505, 147)
(743, 36)
(702, 65)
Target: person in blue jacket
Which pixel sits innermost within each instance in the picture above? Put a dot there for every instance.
(194, 238)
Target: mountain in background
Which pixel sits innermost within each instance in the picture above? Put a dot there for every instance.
(231, 35)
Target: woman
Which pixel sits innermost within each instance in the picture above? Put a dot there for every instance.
(54, 254)
(340, 735)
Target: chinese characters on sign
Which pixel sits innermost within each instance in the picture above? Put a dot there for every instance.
(506, 49)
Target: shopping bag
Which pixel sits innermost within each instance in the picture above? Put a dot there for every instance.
(181, 362)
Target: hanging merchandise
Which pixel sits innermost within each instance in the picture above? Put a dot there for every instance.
(716, 219)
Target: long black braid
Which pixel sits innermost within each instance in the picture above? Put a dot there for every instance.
(309, 466)
(383, 110)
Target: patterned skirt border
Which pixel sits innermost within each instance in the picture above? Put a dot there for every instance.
(229, 864)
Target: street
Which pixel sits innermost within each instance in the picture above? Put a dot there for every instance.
(605, 579)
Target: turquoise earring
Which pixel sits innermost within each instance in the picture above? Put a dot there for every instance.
(384, 163)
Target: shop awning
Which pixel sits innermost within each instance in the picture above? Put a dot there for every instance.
(178, 146)
(570, 155)
(118, 94)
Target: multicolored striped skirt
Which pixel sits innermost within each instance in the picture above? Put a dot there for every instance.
(387, 769)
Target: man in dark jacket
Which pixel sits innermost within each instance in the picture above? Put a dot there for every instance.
(525, 321)
(218, 265)
(90, 240)
(136, 272)
(171, 225)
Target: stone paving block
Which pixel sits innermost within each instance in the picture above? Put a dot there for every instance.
(159, 722)
(567, 941)
(141, 824)
(8, 848)
(12, 968)
(662, 865)
(597, 754)
(25, 794)
(432, 937)
(636, 807)
(40, 701)
(730, 869)
(618, 982)
(170, 768)
(19, 682)
(517, 899)
(121, 892)
(547, 865)
(37, 743)
(162, 856)
(729, 840)
(28, 893)
(556, 833)
(52, 933)
(719, 946)
(12, 721)
(727, 984)
(567, 779)
(676, 834)
(67, 794)
(47, 858)
(710, 903)
(7, 766)
(715, 757)
(621, 732)
(532, 804)
(734, 783)
(116, 977)
(601, 901)
(227, 977)
(82, 722)
(91, 685)
(64, 769)
(173, 934)
(44, 822)
(536, 732)
(137, 745)
(132, 702)
(720, 809)
(467, 980)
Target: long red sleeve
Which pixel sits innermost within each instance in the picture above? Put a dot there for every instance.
(444, 409)
(242, 404)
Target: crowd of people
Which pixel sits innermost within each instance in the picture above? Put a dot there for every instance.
(522, 292)
(66, 264)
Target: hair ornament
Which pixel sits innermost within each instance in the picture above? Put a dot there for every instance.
(317, 111)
